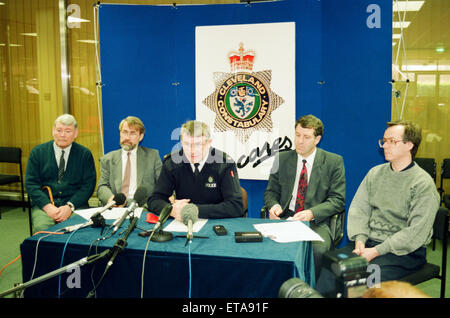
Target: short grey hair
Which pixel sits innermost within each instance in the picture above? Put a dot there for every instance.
(66, 120)
(195, 128)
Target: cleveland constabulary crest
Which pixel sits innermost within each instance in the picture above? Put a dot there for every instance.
(243, 100)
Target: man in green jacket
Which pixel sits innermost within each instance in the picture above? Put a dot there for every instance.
(60, 176)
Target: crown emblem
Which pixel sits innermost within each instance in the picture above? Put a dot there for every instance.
(241, 60)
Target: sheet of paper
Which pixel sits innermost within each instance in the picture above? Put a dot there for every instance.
(111, 214)
(285, 232)
(177, 226)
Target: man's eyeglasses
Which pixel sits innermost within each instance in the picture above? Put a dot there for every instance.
(389, 141)
(132, 134)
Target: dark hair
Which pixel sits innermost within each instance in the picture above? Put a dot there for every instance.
(310, 121)
(412, 133)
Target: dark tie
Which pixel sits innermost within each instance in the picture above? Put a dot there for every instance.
(62, 164)
(196, 172)
(302, 186)
(126, 176)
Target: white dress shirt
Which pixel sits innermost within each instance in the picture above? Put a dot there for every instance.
(58, 151)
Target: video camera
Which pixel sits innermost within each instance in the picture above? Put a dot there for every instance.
(350, 273)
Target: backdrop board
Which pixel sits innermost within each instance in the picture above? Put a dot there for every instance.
(329, 58)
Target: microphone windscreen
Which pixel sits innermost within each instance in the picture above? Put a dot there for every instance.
(189, 212)
(120, 198)
(140, 196)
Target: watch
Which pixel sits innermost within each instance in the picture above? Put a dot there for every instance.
(70, 204)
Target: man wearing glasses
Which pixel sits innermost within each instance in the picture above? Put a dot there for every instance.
(132, 166)
(391, 217)
(198, 174)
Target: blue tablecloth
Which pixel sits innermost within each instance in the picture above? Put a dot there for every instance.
(220, 267)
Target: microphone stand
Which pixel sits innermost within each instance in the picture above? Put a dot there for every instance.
(119, 246)
(161, 236)
(59, 271)
(98, 221)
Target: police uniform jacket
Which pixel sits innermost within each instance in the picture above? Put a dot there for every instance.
(216, 190)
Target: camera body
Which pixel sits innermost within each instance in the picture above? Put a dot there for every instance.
(350, 273)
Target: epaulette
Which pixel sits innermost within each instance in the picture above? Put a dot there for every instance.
(167, 156)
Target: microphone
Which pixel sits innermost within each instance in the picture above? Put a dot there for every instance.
(122, 242)
(118, 223)
(96, 218)
(72, 228)
(139, 196)
(189, 215)
(118, 199)
(157, 235)
(163, 216)
(120, 245)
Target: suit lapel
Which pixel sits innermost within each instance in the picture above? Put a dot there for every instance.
(292, 169)
(117, 169)
(139, 166)
(52, 156)
(314, 178)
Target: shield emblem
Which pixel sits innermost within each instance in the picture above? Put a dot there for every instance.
(241, 100)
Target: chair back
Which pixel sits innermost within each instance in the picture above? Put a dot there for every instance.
(445, 169)
(440, 226)
(427, 164)
(11, 154)
(244, 201)
(337, 227)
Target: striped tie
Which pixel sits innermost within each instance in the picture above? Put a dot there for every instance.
(62, 164)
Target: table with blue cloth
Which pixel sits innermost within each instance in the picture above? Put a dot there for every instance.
(215, 266)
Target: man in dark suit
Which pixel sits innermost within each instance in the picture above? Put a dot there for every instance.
(308, 184)
(144, 164)
(60, 175)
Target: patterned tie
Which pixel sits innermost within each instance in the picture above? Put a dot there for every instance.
(127, 175)
(302, 186)
(196, 172)
(62, 165)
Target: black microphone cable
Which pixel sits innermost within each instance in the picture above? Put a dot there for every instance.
(118, 247)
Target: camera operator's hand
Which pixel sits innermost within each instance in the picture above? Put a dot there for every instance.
(369, 253)
(359, 247)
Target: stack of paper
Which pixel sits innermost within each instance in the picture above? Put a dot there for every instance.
(111, 214)
(177, 226)
(289, 231)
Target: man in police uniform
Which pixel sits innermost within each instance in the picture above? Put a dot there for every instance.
(198, 174)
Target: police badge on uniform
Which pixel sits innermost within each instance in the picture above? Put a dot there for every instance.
(243, 100)
(211, 183)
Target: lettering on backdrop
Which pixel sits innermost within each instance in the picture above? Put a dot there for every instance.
(259, 155)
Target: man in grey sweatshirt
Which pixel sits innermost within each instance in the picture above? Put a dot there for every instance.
(390, 220)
